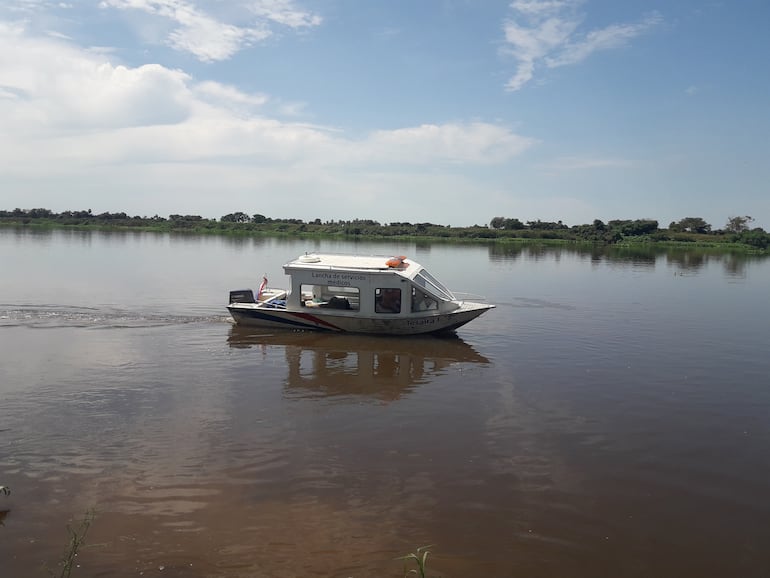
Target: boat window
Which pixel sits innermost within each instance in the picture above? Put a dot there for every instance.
(387, 300)
(427, 281)
(330, 297)
(421, 301)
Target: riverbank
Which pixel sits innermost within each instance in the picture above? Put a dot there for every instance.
(614, 233)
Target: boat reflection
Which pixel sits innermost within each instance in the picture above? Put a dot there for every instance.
(383, 368)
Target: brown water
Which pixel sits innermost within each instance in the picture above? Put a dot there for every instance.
(608, 418)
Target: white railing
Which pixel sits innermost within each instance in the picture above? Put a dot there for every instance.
(468, 296)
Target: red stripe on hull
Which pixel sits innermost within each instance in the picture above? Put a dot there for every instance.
(317, 320)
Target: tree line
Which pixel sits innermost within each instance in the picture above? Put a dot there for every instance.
(689, 229)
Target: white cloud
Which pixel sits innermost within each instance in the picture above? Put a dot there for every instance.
(612, 36)
(57, 87)
(284, 12)
(72, 121)
(209, 38)
(530, 44)
(293, 109)
(229, 95)
(478, 143)
(24, 6)
(546, 32)
(538, 7)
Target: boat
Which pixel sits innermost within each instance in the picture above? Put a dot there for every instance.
(356, 294)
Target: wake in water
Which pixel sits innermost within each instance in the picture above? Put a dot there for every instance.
(51, 316)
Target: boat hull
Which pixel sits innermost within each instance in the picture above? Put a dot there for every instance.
(256, 315)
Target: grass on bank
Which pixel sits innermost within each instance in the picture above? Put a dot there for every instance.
(598, 234)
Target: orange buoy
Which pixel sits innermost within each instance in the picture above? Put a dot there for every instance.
(396, 261)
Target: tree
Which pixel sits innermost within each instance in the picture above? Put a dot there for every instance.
(238, 217)
(546, 225)
(756, 238)
(691, 225)
(631, 228)
(738, 224)
(497, 222)
(596, 232)
(513, 224)
(39, 213)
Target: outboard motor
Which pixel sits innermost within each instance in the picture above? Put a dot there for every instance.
(242, 296)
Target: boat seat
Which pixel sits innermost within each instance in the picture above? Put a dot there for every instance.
(336, 303)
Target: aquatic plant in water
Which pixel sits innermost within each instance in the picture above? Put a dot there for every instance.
(77, 537)
(420, 558)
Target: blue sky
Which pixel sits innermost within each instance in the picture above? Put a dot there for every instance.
(451, 112)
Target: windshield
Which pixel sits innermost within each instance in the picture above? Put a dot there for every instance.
(427, 281)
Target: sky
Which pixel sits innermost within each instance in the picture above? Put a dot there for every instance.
(443, 111)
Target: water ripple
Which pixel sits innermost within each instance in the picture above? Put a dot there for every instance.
(58, 316)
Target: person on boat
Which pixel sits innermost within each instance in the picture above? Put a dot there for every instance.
(422, 301)
(389, 301)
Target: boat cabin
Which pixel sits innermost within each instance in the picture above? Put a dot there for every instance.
(365, 285)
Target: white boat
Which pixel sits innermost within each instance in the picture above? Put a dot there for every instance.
(356, 294)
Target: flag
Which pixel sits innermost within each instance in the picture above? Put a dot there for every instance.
(261, 287)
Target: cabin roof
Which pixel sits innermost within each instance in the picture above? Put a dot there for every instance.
(331, 261)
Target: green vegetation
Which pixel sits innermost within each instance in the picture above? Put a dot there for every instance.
(77, 537)
(736, 234)
(5, 490)
(420, 559)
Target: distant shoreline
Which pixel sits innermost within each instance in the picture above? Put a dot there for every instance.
(613, 233)
(695, 243)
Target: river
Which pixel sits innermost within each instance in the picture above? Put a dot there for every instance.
(608, 418)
